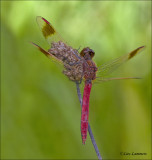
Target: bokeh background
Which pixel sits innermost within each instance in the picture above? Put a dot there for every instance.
(40, 110)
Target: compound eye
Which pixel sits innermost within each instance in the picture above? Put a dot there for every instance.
(91, 53)
(83, 52)
(87, 50)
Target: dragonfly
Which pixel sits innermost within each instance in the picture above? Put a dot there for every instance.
(79, 66)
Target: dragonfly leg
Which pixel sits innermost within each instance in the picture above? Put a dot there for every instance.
(79, 82)
(78, 49)
(72, 64)
(77, 53)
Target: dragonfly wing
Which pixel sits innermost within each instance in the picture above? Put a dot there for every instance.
(108, 68)
(110, 79)
(49, 55)
(48, 31)
(60, 51)
(51, 35)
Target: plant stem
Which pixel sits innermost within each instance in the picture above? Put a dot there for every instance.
(89, 128)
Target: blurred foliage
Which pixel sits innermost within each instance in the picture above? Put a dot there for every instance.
(40, 111)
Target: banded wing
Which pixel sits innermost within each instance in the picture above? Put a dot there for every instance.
(50, 35)
(108, 68)
(59, 50)
(49, 55)
(48, 31)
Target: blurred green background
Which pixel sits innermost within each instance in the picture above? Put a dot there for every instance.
(40, 113)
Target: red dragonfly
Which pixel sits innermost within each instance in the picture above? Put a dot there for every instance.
(79, 66)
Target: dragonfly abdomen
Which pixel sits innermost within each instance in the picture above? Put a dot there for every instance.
(85, 110)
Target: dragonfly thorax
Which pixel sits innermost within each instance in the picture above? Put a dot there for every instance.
(87, 53)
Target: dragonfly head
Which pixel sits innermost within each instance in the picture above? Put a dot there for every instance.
(87, 53)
